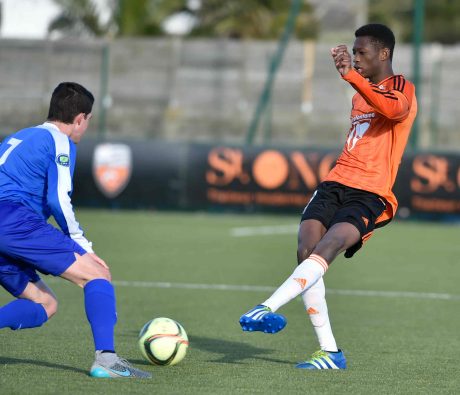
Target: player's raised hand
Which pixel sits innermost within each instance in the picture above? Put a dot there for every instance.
(342, 59)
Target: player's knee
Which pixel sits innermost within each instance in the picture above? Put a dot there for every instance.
(303, 252)
(104, 274)
(330, 246)
(85, 270)
(99, 273)
(50, 305)
(338, 243)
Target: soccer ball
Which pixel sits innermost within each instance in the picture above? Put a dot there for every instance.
(163, 341)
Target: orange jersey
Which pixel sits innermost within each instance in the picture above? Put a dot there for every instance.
(381, 119)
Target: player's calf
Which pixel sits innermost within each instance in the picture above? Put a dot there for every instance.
(22, 314)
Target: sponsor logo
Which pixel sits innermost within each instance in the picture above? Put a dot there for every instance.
(302, 282)
(125, 372)
(63, 160)
(356, 133)
(268, 177)
(363, 116)
(112, 166)
(312, 311)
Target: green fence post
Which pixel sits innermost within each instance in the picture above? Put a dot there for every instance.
(419, 8)
(274, 65)
(436, 74)
(104, 101)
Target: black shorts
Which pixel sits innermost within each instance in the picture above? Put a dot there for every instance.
(332, 203)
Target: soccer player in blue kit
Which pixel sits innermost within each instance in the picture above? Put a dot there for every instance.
(36, 169)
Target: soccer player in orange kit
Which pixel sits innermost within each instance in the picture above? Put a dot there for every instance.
(356, 197)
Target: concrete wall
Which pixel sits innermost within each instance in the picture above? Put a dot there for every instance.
(208, 89)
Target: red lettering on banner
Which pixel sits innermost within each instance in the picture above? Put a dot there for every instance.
(270, 169)
(289, 176)
(436, 205)
(226, 166)
(431, 173)
(325, 165)
(303, 167)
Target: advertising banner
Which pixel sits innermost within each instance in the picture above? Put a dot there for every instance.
(429, 183)
(256, 178)
(283, 179)
(157, 174)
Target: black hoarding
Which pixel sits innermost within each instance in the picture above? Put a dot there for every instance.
(156, 174)
(429, 183)
(130, 174)
(255, 178)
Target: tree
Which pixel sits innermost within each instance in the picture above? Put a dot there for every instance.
(442, 19)
(77, 18)
(257, 19)
(144, 17)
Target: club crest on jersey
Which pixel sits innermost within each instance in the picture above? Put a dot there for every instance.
(360, 125)
(112, 164)
(63, 160)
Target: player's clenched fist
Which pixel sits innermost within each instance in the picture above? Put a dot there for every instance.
(342, 59)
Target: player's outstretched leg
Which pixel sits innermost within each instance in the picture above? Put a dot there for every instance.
(324, 360)
(110, 365)
(262, 319)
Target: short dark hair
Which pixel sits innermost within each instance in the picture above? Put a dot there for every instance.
(68, 100)
(381, 35)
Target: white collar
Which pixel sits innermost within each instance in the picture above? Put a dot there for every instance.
(49, 125)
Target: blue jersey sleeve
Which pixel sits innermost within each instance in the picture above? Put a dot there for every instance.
(59, 189)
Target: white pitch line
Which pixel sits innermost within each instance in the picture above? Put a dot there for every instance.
(264, 230)
(262, 288)
(216, 287)
(393, 294)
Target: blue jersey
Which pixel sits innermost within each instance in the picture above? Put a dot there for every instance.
(36, 170)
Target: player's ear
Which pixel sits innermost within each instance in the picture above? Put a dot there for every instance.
(384, 54)
(79, 119)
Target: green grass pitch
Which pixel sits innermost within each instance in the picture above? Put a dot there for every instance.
(401, 340)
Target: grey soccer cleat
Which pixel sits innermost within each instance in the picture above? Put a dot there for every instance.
(110, 365)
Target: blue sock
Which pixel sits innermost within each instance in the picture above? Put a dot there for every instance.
(101, 312)
(21, 314)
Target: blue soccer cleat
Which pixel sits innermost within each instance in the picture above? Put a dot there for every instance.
(325, 360)
(262, 319)
(110, 365)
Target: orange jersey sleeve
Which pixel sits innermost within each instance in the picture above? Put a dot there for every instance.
(381, 119)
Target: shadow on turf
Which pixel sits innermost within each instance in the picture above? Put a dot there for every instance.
(12, 361)
(232, 352)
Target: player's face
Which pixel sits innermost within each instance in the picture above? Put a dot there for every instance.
(366, 57)
(81, 123)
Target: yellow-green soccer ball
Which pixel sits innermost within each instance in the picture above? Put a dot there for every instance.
(163, 341)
